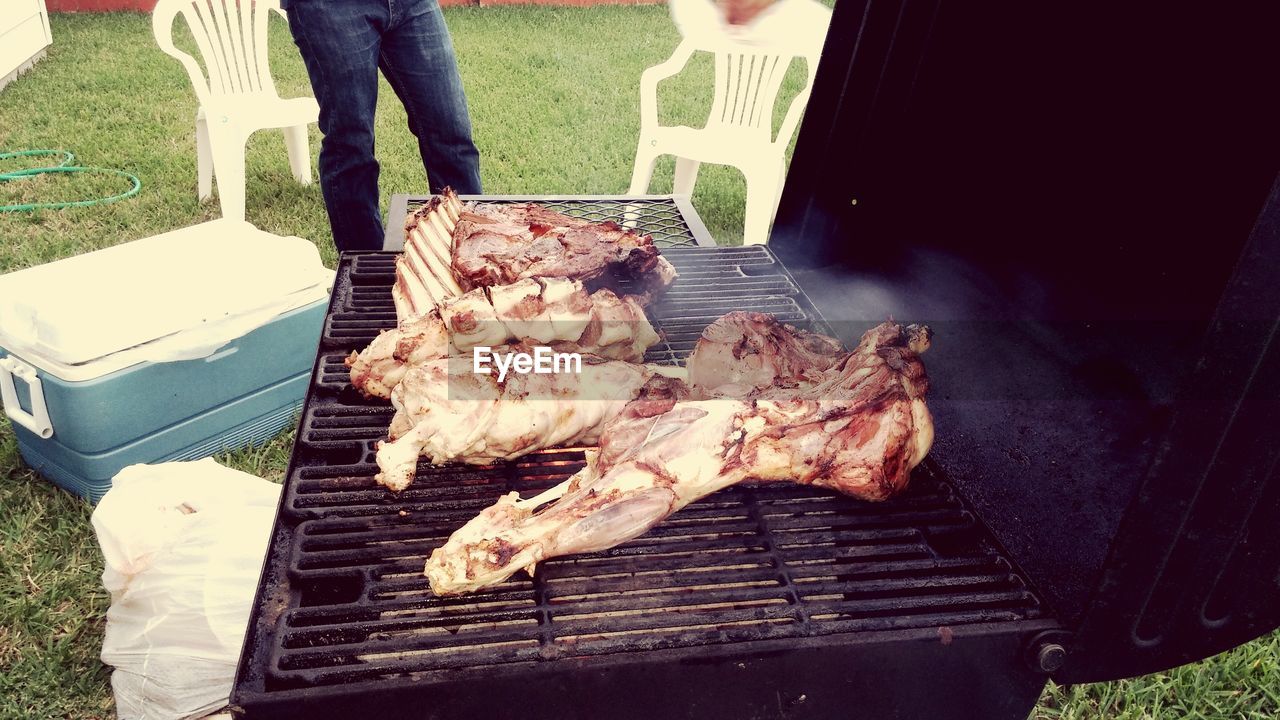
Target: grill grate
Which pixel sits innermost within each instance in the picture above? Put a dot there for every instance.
(344, 602)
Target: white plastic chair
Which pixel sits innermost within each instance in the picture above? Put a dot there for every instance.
(750, 64)
(237, 95)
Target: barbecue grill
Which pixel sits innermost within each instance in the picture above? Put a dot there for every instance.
(1102, 491)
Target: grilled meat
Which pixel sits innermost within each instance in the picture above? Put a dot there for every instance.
(424, 279)
(681, 460)
(745, 352)
(448, 413)
(500, 244)
(857, 426)
(553, 311)
(452, 247)
(483, 274)
(376, 370)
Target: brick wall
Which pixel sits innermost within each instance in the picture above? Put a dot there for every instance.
(98, 5)
(147, 5)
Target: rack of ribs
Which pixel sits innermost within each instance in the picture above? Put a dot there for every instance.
(769, 403)
(486, 274)
(452, 247)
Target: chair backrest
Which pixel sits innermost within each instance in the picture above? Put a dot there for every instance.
(752, 61)
(747, 86)
(232, 38)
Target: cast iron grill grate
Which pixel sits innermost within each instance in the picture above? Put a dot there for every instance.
(344, 603)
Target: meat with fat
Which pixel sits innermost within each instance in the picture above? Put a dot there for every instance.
(452, 247)
(446, 412)
(744, 352)
(555, 312)
(858, 426)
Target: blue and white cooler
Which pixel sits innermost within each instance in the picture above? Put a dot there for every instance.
(171, 347)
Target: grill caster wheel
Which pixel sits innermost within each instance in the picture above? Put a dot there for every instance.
(1047, 652)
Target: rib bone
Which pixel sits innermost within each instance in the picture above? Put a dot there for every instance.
(486, 244)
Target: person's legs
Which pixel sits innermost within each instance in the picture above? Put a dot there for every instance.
(339, 43)
(417, 59)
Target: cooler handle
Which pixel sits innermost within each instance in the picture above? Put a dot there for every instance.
(37, 421)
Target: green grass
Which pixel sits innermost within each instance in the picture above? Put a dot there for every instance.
(1243, 684)
(554, 99)
(553, 94)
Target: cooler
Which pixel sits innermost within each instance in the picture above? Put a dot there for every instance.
(172, 347)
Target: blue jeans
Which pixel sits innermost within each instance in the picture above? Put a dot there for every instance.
(344, 43)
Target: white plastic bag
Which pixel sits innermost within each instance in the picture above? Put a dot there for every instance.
(183, 544)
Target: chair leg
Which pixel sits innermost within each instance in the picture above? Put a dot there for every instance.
(299, 147)
(763, 188)
(686, 176)
(204, 160)
(642, 173)
(228, 165)
(782, 180)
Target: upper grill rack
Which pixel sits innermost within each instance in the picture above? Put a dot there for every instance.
(712, 282)
(671, 219)
(344, 602)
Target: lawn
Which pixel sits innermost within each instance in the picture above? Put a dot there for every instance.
(554, 99)
(554, 103)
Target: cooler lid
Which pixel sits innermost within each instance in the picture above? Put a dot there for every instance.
(93, 305)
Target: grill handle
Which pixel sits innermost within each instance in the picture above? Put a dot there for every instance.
(37, 421)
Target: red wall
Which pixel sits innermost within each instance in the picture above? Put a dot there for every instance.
(147, 5)
(98, 5)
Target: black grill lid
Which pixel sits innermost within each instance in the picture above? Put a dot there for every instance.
(1071, 194)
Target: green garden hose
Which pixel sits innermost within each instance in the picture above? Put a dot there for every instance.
(63, 167)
